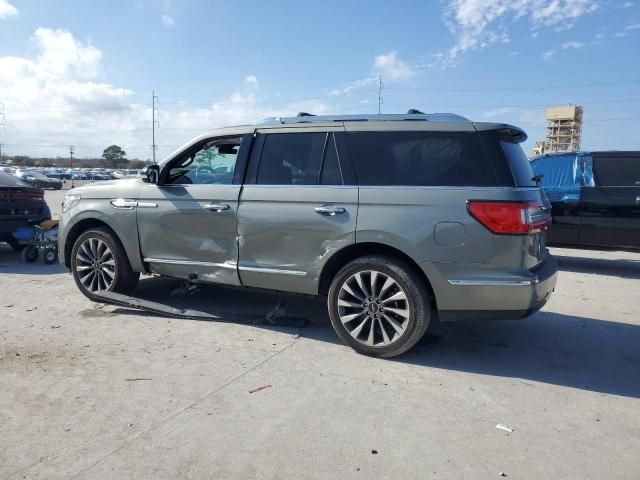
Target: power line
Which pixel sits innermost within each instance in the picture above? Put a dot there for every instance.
(516, 89)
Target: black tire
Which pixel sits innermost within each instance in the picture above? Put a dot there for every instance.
(417, 301)
(125, 279)
(30, 254)
(15, 244)
(50, 256)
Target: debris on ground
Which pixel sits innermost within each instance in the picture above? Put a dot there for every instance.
(259, 388)
(374, 452)
(502, 474)
(136, 379)
(31, 309)
(506, 428)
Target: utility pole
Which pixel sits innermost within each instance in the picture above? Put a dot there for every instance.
(71, 147)
(2, 125)
(154, 123)
(379, 94)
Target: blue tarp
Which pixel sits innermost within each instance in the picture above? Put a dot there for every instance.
(563, 175)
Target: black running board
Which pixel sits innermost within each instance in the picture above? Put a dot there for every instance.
(272, 318)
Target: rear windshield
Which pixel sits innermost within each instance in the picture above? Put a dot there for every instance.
(510, 164)
(420, 158)
(519, 163)
(7, 180)
(617, 171)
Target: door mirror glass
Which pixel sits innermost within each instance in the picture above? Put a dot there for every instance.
(152, 174)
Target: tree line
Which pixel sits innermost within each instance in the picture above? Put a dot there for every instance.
(112, 157)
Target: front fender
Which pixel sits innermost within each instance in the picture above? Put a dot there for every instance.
(123, 223)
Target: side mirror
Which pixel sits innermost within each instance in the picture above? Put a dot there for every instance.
(152, 174)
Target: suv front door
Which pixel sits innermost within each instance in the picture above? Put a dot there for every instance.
(187, 222)
(298, 207)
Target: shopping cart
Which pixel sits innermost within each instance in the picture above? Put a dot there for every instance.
(41, 239)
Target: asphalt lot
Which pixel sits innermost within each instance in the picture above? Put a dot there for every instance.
(93, 391)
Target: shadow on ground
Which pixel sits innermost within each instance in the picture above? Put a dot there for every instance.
(571, 351)
(11, 262)
(623, 268)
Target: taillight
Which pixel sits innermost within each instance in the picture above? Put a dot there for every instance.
(510, 218)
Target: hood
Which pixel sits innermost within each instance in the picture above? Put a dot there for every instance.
(124, 187)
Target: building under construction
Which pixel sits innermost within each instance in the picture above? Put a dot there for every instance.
(564, 130)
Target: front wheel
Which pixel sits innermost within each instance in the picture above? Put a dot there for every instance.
(379, 305)
(99, 263)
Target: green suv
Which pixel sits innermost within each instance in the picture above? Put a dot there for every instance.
(393, 218)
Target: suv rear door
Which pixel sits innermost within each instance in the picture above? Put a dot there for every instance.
(298, 206)
(610, 213)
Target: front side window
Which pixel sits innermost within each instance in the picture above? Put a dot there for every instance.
(420, 158)
(213, 163)
(291, 159)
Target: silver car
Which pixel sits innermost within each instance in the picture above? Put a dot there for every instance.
(395, 219)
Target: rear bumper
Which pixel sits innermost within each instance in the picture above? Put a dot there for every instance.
(498, 295)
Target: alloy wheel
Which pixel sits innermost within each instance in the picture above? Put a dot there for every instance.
(373, 308)
(95, 266)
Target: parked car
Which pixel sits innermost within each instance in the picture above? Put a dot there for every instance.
(21, 205)
(54, 173)
(394, 218)
(39, 180)
(595, 198)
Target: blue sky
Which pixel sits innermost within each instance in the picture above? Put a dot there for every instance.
(82, 73)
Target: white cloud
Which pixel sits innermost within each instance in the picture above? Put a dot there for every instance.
(600, 36)
(7, 10)
(572, 44)
(251, 80)
(167, 20)
(620, 35)
(514, 54)
(627, 5)
(498, 112)
(548, 55)
(355, 85)
(391, 67)
(479, 23)
(56, 97)
(634, 26)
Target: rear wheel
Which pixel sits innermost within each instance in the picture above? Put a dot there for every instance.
(379, 306)
(99, 263)
(30, 254)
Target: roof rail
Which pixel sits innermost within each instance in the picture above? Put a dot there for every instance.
(413, 115)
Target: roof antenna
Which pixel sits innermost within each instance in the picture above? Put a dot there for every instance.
(413, 111)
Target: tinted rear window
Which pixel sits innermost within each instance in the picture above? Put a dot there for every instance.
(519, 163)
(617, 171)
(291, 159)
(420, 158)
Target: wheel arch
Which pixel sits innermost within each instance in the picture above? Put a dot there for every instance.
(86, 224)
(357, 250)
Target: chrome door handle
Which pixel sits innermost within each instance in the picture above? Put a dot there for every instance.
(329, 211)
(216, 207)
